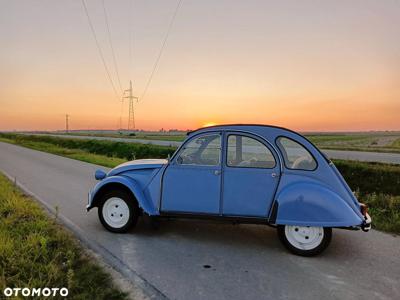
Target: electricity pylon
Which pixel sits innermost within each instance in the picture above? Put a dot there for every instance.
(66, 123)
(131, 116)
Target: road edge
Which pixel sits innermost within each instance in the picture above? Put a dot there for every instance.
(121, 274)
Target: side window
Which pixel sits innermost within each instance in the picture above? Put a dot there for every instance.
(204, 150)
(247, 152)
(296, 157)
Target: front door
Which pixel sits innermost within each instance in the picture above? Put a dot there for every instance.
(192, 181)
(250, 176)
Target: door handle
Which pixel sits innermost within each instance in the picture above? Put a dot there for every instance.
(217, 172)
(274, 175)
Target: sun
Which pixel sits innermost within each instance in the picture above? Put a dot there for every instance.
(208, 124)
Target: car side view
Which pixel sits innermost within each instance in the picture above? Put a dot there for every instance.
(255, 174)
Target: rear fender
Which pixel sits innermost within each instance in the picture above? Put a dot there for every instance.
(309, 204)
(121, 182)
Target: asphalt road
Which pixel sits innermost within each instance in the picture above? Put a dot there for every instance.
(245, 261)
(392, 158)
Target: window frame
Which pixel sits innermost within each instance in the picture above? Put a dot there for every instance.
(284, 157)
(228, 134)
(183, 147)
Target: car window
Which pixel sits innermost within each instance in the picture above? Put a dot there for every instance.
(204, 150)
(295, 155)
(247, 152)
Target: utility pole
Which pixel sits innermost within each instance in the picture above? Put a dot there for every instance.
(131, 116)
(66, 123)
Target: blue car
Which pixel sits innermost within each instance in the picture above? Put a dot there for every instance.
(241, 173)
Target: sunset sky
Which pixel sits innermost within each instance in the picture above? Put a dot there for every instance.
(306, 65)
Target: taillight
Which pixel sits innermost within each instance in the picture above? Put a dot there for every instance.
(364, 209)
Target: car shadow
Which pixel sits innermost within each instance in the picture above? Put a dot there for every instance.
(228, 234)
(211, 232)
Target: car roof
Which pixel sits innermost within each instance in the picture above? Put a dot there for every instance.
(246, 127)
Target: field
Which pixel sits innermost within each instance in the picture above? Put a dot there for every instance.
(376, 184)
(35, 251)
(375, 142)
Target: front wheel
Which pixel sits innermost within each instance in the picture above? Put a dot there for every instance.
(118, 211)
(305, 240)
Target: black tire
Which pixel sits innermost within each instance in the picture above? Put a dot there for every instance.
(327, 237)
(130, 202)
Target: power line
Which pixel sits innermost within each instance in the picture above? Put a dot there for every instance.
(99, 49)
(161, 49)
(131, 40)
(111, 45)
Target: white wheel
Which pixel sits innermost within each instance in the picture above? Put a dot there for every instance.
(305, 240)
(116, 212)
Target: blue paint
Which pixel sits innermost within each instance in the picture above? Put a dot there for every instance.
(209, 185)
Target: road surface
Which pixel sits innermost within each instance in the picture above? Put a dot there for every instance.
(391, 158)
(208, 260)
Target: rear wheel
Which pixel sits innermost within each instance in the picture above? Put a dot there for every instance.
(305, 240)
(118, 211)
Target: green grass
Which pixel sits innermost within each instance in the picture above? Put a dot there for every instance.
(371, 180)
(368, 177)
(385, 211)
(36, 252)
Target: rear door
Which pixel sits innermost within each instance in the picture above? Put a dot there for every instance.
(250, 176)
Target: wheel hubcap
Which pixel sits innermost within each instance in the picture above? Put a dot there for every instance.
(304, 237)
(115, 212)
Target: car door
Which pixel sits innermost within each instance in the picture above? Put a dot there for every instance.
(250, 176)
(192, 181)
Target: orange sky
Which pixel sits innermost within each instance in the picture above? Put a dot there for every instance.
(306, 65)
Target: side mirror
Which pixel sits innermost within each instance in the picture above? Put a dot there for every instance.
(169, 157)
(100, 174)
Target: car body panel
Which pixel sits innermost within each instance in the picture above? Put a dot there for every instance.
(309, 204)
(278, 195)
(249, 191)
(191, 189)
(129, 182)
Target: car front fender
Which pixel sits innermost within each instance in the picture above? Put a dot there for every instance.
(121, 182)
(309, 204)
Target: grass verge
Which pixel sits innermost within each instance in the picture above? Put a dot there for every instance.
(377, 184)
(36, 252)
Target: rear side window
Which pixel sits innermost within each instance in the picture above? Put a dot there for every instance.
(295, 155)
(247, 152)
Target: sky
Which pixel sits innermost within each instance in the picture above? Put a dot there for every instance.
(305, 65)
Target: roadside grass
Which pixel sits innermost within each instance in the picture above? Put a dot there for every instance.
(36, 252)
(369, 177)
(385, 211)
(377, 184)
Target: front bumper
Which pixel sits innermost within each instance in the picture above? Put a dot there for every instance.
(366, 225)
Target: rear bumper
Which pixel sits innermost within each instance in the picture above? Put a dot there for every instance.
(366, 224)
